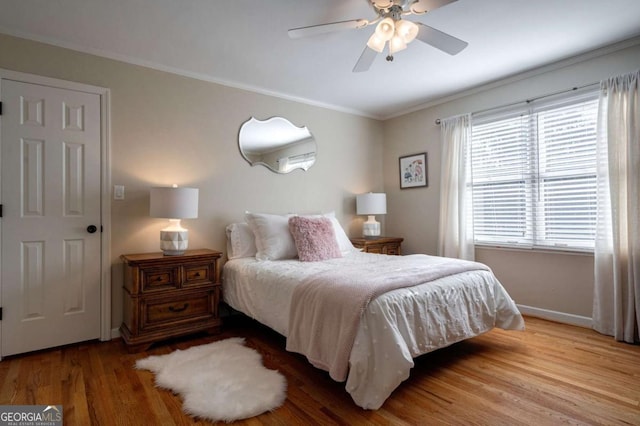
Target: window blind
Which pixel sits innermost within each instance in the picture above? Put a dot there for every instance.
(533, 175)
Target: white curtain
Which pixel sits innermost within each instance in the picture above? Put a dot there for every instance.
(455, 236)
(616, 309)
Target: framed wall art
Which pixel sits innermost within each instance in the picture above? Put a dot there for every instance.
(413, 171)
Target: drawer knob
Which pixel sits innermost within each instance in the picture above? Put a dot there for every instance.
(159, 279)
(197, 274)
(183, 308)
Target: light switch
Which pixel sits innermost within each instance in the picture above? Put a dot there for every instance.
(118, 192)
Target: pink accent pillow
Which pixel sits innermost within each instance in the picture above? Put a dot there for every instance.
(314, 237)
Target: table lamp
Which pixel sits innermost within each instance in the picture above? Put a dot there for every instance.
(371, 204)
(174, 203)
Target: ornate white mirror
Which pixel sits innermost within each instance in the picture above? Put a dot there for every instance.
(277, 144)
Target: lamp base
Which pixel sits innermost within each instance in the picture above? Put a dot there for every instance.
(371, 228)
(174, 243)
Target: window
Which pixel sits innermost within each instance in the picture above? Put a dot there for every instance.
(533, 175)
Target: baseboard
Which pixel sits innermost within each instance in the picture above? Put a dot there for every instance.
(115, 333)
(562, 317)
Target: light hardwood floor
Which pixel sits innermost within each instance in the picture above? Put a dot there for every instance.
(547, 375)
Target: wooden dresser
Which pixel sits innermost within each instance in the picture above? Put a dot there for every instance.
(382, 245)
(167, 296)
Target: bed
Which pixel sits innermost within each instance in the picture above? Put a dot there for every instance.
(392, 328)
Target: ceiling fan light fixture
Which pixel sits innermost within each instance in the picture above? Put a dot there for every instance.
(407, 30)
(396, 44)
(391, 27)
(376, 43)
(386, 29)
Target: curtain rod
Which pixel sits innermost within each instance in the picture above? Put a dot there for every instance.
(528, 101)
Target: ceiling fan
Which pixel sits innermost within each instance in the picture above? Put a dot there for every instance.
(392, 29)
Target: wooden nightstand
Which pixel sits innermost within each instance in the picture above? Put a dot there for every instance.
(382, 245)
(167, 296)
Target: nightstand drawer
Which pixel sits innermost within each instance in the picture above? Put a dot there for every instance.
(375, 248)
(199, 274)
(159, 312)
(159, 278)
(391, 249)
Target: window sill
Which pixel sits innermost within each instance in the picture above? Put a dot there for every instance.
(549, 250)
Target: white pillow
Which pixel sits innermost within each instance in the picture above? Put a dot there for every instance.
(343, 241)
(273, 239)
(240, 241)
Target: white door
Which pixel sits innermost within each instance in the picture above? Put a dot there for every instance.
(50, 165)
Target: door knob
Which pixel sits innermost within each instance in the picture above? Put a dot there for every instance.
(91, 229)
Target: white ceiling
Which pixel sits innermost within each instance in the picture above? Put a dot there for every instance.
(244, 43)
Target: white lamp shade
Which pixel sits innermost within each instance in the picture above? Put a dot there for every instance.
(396, 44)
(385, 29)
(376, 43)
(371, 204)
(174, 203)
(407, 30)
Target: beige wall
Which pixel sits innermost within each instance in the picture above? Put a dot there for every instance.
(550, 281)
(169, 129)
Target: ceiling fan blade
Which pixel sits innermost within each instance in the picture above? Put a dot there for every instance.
(424, 6)
(327, 28)
(443, 41)
(366, 59)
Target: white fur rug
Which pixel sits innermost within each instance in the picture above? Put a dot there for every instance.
(222, 380)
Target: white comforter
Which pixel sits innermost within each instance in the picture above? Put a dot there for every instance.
(396, 327)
